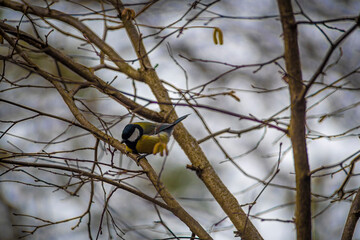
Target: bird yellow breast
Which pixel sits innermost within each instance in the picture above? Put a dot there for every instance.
(147, 142)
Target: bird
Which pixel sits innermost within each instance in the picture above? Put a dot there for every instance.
(148, 137)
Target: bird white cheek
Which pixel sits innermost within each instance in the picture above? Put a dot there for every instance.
(134, 135)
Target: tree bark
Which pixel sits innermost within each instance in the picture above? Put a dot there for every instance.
(298, 121)
(353, 217)
(170, 201)
(187, 142)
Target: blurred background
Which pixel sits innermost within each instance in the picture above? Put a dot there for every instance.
(244, 76)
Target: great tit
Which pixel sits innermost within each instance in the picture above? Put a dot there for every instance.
(147, 137)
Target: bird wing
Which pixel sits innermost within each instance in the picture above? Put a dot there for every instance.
(155, 128)
(149, 128)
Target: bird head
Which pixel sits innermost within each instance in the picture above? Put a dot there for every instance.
(131, 134)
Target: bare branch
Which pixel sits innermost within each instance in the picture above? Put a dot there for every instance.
(352, 219)
(297, 122)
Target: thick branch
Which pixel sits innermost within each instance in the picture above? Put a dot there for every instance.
(90, 35)
(175, 207)
(297, 122)
(82, 71)
(353, 217)
(188, 143)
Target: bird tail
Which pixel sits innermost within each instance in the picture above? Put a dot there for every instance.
(179, 119)
(169, 127)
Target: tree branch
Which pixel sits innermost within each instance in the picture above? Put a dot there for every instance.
(326, 58)
(175, 207)
(87, 174)
(297, 122)
(188, 143)
(90, 35)
(84, 72)
(353, 217)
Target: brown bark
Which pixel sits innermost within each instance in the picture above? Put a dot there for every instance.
(148, 75)
(297, 122)
(205, 171)
(170, 201)
(353, 217)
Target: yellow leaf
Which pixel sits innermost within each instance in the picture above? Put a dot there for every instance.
(218, 36)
